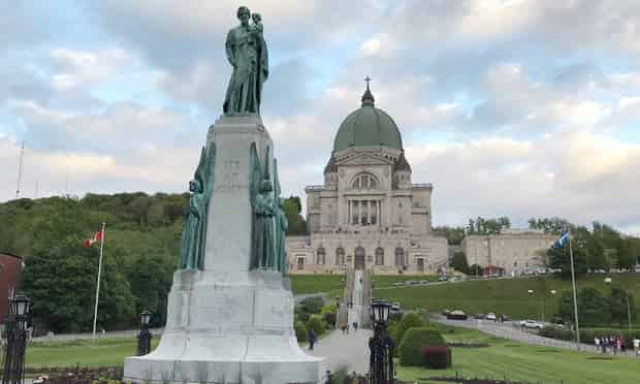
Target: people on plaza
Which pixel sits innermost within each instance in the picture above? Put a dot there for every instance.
(636, 345)
(596, 342)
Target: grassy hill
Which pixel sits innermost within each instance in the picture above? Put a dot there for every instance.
(526, 363)
(509, 296)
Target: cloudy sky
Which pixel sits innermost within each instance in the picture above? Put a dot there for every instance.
(515, 107)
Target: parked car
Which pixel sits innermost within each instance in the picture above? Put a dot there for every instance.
(457, 315)
(442, 278)
(395, 306)
(531, 324)
(478, 316)
(446, 312)
(490, 316)
(503, 318)
(423, 282)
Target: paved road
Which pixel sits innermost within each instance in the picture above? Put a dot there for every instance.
(340, 350)
(509, 330)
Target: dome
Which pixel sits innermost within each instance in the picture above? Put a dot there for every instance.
(367, 126)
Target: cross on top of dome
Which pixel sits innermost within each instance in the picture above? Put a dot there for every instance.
(367, 97)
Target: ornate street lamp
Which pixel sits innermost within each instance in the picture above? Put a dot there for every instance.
(16, 325)
(381, 345)
(144, 338)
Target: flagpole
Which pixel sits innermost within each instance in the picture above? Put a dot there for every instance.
(95, 311)
(575, 298)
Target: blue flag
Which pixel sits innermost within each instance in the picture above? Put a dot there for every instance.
(562, 240)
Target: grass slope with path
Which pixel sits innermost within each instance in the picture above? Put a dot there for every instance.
(508, 296)
(523, 362)
(306, 284)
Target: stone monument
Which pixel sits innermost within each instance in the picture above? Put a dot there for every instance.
(230, 309)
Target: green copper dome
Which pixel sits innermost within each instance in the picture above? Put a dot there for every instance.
(367, 126)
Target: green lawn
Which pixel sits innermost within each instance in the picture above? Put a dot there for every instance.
(507, 296)
(304, 284)
(529, 363)
(381, 281)
(86, 353)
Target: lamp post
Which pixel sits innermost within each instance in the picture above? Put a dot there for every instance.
(144, 338)
(381, 346)
(17, 323)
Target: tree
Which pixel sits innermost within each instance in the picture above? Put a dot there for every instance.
(459, 262)
(297, 224)
(61, 280)
(593, 307)
(150, 277)
(482, 226)
(621, 305)
(560, 257)
(549, 225)
(454, 235)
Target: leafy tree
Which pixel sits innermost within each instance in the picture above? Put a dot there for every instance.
(292, 209)
(61, 280)
(482, 226)
(549, 225)
(459, 262)
(593, 307)
(454, 235)
(561, 258)
(621, 305)
(150, 277)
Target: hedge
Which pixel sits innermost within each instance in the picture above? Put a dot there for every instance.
(436, 356)
(587, 335)
(412, 343)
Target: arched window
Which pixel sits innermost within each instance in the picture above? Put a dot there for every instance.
(379, 256)
(365, 181)
(399, 257)
(340, 256)
(320, 256)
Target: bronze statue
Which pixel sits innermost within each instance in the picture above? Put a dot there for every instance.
(248, 55)
(195, 227)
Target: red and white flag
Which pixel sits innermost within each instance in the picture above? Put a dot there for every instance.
(97, 237)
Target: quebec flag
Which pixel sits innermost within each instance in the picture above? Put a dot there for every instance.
(562, 240)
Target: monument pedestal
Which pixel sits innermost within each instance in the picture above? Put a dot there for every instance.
(227, 323)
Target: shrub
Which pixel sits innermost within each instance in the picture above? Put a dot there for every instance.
(436, 356)
(312, 305)
(587, 335)
(315, 323)
(412, 343)
(304, 317)
(410, 320)
(301, 332)
(330, 318)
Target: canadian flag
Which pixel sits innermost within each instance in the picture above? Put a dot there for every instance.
(97, 237)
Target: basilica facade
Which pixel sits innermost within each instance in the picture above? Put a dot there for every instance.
(368, 214)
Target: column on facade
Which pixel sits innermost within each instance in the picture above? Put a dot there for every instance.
(368, 212)
(360, 212)
(349, 211)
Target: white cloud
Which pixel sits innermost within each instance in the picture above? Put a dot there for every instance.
(80, 68)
